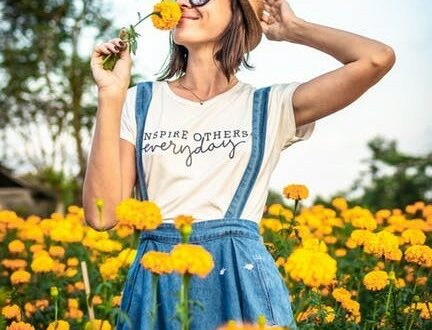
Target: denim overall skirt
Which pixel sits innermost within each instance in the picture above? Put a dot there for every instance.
(244, 282)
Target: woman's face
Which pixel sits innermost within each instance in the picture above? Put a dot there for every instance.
(202, 25)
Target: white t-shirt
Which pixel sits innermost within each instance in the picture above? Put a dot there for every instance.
(184, 179)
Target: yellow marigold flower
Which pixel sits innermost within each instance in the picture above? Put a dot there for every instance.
(271, 224)
(109, 269)
(419, 205)
(182, 220)
(341, 294)
(59, 325)
(96, 300)
(19, 277)
(360, 218)
(56, 251)
(384, 244)
(16, 246)
(29, 309)
(340, 252)
(74, 313)
(313, 267)
(74, 209)
(339, 203)
(312, 313)
(98, 325)
(144, 215)
(14, 263)
(423, 307)
(360, 236)
(72, 262)
(383, 214)
(419, 254)
(42, 264)
(280, 261)
(350, 244)
(314, 244)
(107, 245)
(296, 191)
(36, 248)
(11, 312)
(71, 271)
(116, 300)
(73, 303)
(330, 239)
(233, 325)
(67, 230)
(157, 262)
(124, 230)
(191, 259)
(169, 14)
(411, 209)
(400, 283)
(127, 256)
(421, 280)
(351, 306)
(376, 280)
(20, 326)
(41, 304)
(413, 236)
(275, 209)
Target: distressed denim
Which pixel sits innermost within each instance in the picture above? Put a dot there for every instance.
(244, 282)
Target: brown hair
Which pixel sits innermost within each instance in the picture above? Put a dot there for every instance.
(233, 51)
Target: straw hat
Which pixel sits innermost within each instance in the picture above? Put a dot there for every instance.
(253, 11)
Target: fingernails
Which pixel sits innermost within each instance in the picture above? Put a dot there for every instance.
(121, 43)
(116, 48)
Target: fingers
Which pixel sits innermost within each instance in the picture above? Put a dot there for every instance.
(114, 46)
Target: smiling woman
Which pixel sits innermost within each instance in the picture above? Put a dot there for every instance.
(224, 192)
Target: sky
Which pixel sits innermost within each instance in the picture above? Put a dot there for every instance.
(398, 107)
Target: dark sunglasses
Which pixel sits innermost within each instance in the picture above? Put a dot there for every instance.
(198, 3)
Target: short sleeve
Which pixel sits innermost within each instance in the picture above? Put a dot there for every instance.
(282, 106)
(127, 119)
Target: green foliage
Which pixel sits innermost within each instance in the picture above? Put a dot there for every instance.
(393, 178)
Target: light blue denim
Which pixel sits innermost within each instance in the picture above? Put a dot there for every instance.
(244, 282)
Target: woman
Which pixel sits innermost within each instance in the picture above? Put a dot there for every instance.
(209, 146)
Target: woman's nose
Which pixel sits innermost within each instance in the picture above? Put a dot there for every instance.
(184, 3)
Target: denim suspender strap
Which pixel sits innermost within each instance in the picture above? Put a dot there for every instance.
(143, 98)
(259, 124)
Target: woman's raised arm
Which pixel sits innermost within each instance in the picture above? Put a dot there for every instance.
(365, 61)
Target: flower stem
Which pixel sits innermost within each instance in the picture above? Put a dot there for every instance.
(184, 302)
(142, 19)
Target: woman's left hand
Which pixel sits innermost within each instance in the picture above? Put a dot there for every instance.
(277, 23)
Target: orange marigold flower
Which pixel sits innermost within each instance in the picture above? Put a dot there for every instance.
(296, 191)
(182, 219)
(419, 254)
(59, 325)
(20, 326)
(157, 262)
(19, 277)
(169, 13)
(191, 259)
(11, 312)
(143, 215)
(16, 246)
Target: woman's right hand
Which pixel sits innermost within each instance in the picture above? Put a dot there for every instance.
(115, 81)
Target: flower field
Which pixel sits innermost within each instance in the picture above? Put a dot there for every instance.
(345, 266)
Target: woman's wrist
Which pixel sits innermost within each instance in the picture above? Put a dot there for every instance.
(110, 94)
(295, 30)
